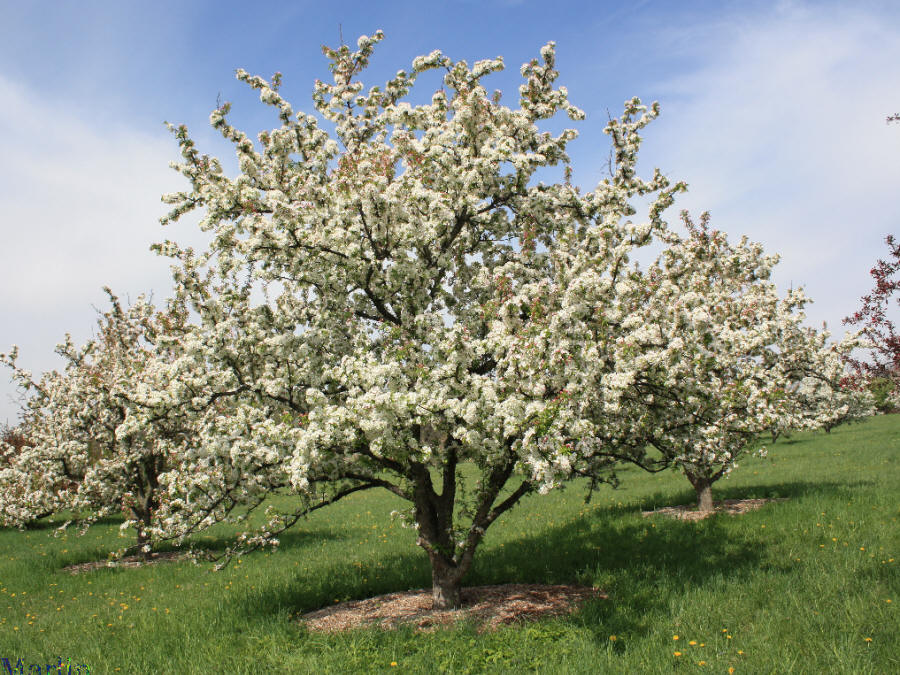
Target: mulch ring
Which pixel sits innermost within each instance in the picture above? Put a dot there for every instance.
(489, 606)
(732, 507)
(128, 561)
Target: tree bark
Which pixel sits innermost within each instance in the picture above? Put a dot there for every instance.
(703, 488)
(142, 524)
(446, 584)
(451, 559)
(704, 497)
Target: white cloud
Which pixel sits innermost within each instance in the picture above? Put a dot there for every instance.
(80, 204)
(781, 134)
(80, 207)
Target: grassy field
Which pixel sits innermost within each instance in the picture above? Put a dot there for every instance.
(807, 585)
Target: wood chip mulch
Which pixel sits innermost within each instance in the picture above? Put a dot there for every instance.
(128, 561)
(732, 507)
(489, 606)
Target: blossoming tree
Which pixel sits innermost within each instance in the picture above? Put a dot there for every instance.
(29, 489)
(100, 432)
(878, 324)
(721, 355)
(380, 307)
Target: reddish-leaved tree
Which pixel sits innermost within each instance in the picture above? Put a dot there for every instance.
(874, 318)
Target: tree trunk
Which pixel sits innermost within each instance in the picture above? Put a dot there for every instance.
(451, 559)
(142, 525)
(446, 585)
(703, 488)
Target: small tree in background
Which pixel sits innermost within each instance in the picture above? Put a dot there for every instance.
(27, 493)
(100, 433)
(721, 354)
(828, 403)
(875, 319)
(38, 476)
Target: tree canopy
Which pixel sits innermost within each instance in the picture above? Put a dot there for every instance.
(382, 306)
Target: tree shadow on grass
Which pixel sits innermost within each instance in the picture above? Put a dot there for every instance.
(207, 547)
(643, 565)
(726, 490)
(644, 562)
(636, 563)
(56, 521)
(340, 582)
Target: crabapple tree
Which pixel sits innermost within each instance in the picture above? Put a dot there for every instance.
(31, 488)
(100, 433)
(382, 305)
(877, 321)
(720, 353)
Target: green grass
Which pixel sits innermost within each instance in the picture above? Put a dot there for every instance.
(797, 586)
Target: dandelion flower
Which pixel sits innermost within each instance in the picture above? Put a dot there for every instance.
(676, 653)
(674, 637)
(612, 638)
(692, 643)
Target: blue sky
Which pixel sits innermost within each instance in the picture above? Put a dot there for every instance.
(773, 112)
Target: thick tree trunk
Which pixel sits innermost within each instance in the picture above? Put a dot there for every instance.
(451, 559)
(446, 585)
(704, 496)
(147, 501)
(703, 487)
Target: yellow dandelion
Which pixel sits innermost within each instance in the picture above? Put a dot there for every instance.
(730, 670)
(701, 663)
(393, 664)
(674, 637)
(676, 653)
(868, 639)
(692, 643)
(612, 638)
